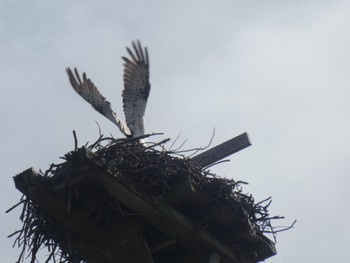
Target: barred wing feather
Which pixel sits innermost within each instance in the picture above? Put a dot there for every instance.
(87, 90)
(136, 88)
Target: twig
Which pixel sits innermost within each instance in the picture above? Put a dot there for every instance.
(150, 172)
(99, 129)
(284, 229)
(216, 163)
(174, 141)
(13, 207)
(75, 141)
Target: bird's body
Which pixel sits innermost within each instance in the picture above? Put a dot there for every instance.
(135, 93)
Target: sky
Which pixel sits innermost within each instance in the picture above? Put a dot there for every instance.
(278, 70)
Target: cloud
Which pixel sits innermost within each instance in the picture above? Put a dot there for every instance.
(278, 70)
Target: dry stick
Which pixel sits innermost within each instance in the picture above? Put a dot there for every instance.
(177, 137)
(284, 229)
(127, 148)
(263, 201)
(75, 141)
(159, 143)
(99, 129)
(206, 147)
(181, 145)
(216, 163)
(13, 207)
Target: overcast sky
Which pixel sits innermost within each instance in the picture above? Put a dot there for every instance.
(278, 70)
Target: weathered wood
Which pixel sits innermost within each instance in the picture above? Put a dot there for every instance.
(180, 191)
(126, 242)
(122, 241)
(33, 185)
(176, 231)
(211, 211)
(163, 245)
(222, 150)
(214, 258)
(163, 216)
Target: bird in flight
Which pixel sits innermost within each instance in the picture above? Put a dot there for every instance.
(135, 94)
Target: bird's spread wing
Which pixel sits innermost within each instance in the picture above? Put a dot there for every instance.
(136, 88)
(87, 89)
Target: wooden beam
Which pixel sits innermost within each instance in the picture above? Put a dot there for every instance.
(222, 150)
(180, 191)
(122, 241)
(213, 211)
(86, 239)
(214, 258)
(161, 215)
(163, 245)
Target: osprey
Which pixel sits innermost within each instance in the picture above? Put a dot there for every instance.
(135, 93)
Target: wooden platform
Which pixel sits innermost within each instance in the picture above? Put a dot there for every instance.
(186, 226)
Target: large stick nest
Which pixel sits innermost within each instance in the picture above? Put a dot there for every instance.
(149, 169)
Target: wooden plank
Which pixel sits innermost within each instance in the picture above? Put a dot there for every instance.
(210, 209)
(214, 211)
(86, 239)
(96, 244)
(35, 187)
(162, 216)
(222, 150)
(182, 190)
(163, 245)
(214, 258)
